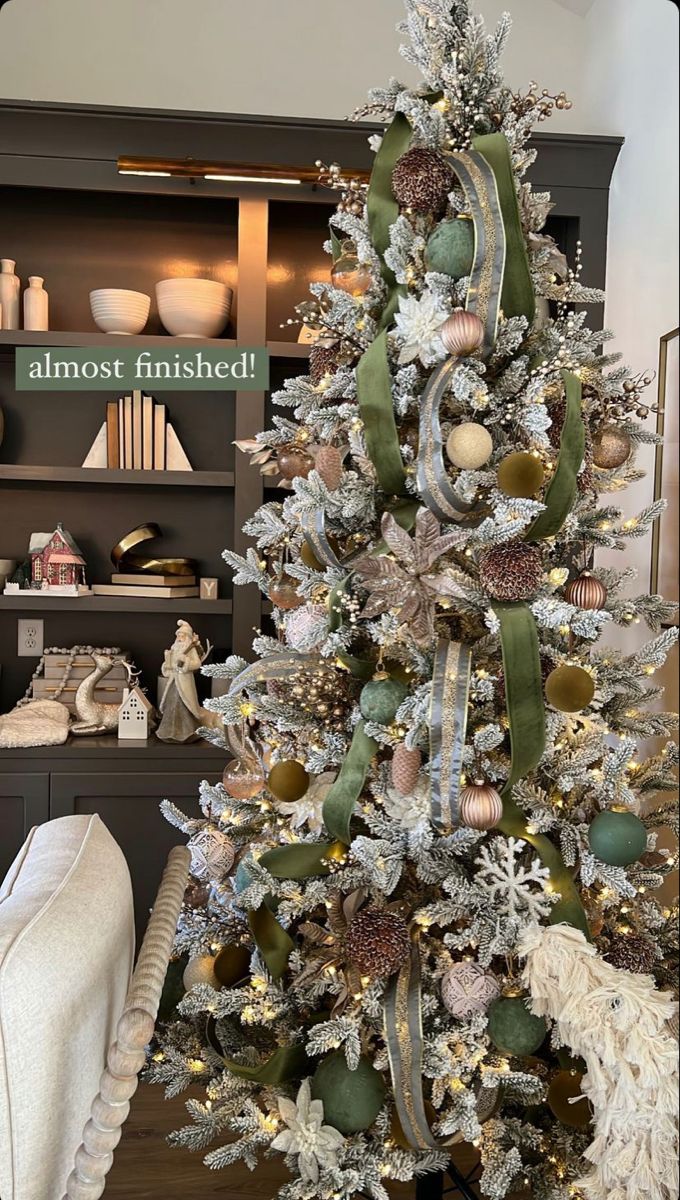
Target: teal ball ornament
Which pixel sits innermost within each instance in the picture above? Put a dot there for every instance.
(351, 1099)
(451, 248)
(513, 1029)
(617, 838)
(380, 699)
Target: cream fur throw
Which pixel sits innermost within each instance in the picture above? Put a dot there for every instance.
(40, 723)
(617, 1022)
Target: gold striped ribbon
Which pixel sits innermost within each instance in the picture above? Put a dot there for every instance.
(433, 481)
(403, 1024)
(448, 723)
(314, 528)
(488, 266)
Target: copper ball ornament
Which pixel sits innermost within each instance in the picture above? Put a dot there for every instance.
(242, 780)
(521, 475)
(349, 274)
(512, 571)
(481, 806)
(294, 462)
(288, 780)
(462, 333)
(611, 447)
(469, 446)
(569, 689)
(422, 180)
(586, 592)
(377, 942)
(468, 989)
(196, 893)
(567, 1102)
(285, 595)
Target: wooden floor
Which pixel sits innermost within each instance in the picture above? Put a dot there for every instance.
(146, 1168)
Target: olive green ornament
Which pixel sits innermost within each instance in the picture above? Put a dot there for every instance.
(451, 248)
(513, 1029)
(569, 689)
(521, 475)
(380, 699)
(351, 1099)
(567, 1101)
(232, 965)
(288, 780)
(617, 838)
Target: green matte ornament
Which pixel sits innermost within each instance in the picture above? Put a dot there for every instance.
(232, 965)
(513, 1029)
(451, 248)
(288, 780)
(380, 699)
(521, 475)
(617, 838)
(351, 1099)
(569, 689)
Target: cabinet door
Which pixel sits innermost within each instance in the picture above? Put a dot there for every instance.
(24, 802)
(127, 803)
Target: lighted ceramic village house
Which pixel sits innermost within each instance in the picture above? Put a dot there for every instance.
(56, 560)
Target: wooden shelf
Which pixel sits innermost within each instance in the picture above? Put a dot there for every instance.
(288, 349)
(105, 746)
(30, 474)
(25, 601)
(10, 338)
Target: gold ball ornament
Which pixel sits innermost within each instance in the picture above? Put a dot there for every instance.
(288, 781)
(611, 447)
(309, 558)
(567, 1102)
(521, 475)
(469, 446)
(468, 989)
(569, 689)
(232, 965)
(200, 969)
(242, 780)
(349, 274)
(586, 592)
(462, 333)
(480, 806)
(294, 462)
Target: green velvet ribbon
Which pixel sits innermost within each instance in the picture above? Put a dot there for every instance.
(286, 1063)
(299, 861)
(271, 939)
(517, 295)
(526, 716)
(560, 496)
(339, 803)
(382, 209)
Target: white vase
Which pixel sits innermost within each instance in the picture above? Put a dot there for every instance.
(10, 293)
(36, 304)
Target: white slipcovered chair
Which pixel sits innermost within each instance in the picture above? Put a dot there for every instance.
(74, 1020)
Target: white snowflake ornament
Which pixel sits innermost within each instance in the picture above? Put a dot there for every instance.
(511, 884)
(315, 1144)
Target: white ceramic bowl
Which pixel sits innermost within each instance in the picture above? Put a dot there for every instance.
(193, 307)
(116, 310)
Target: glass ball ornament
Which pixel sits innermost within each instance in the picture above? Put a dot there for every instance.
(612, 447)
(242, 780)
(462, 333)
(294, 462)
(349, 274)
(513, 1028)
(567, 1102)
(481, 806)
(450, 248)
(351, 1099)
(569, 689)
(380, 700)
(521, 475)
(586, 592)
(285, 595)
(617, 838)
(469, 446)
(468, 989)
(212, 854)
(288, 781)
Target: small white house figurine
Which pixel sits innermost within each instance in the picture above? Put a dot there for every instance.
(133, 716)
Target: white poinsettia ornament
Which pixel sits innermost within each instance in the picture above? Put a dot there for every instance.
(315, 1144)
(412, 810)
(418, 329)
(309, 809)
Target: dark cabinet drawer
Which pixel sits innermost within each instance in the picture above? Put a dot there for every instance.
(24, 802)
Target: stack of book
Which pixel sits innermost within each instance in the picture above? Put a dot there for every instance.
(137, 436)
(110, 690)
(156, 587)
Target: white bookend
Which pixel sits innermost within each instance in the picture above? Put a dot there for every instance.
(175, 458)
(98, 453)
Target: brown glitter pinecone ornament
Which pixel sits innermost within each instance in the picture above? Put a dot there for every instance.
(322, 362)
(377, 942)
(328, 463)
(405, 768)
(422, 180)
(630, 952)
(585, 480)
(511, 572)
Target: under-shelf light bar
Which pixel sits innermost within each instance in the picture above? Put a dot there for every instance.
(223, 172)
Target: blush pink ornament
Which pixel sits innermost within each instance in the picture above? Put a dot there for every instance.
(467, 989)
(462, 333)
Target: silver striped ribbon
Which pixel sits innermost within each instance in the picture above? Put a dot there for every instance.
(488, 267)
(275, 666)
(314, 528)
(448, 723)
(433, 481)
(403, 1023)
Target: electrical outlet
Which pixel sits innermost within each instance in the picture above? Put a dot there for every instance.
(30, 637)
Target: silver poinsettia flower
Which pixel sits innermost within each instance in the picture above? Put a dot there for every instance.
(315, 1144)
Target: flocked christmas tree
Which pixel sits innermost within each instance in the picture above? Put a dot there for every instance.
(423, 901)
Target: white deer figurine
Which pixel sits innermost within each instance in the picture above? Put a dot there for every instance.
(95, 717)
